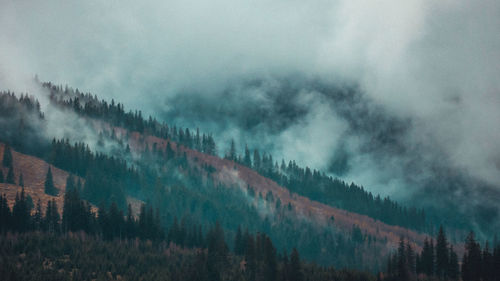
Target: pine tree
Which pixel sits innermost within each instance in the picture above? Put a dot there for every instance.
(270, 261)
(10, 176)
(295, 267)
(21, 212)
(250, 257)
(427, 259)
(471, 262)
(50, 189)
(488, 265)
(247, 160)
(52, 217)
(453, 269)
(5, 214)
(2, 179)
(442, 254)
(7, 157)
(37, 217)
(232, 151)
(402, 262)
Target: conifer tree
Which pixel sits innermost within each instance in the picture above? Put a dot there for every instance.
(52, 217)
(442, 255)
(50, 189)
(232, 151)
(2, 179)
(427, 258)
(295, 267)
(10, 176)
(21, 212)
(270, 261)
(453, 269)
(37, 217)
(471, 262)
(247, 160)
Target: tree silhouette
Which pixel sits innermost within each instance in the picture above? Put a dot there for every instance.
(10, 176)
(50, 189)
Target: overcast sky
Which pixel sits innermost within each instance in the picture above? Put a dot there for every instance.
(433, 65)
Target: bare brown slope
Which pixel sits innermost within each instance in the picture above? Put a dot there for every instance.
(34, 171)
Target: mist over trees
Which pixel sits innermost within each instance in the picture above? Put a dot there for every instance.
(184, 205)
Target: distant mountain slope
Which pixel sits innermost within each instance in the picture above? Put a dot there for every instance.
(125, 159)
(34, 171)
(233, 174)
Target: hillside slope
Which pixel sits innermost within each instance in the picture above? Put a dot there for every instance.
(234, 174)
(34, 172)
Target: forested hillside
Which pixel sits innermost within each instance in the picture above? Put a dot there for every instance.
(147, 181)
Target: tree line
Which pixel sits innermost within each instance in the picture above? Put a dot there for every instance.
(114, 113)
(304, 181)
(439, 261)
(253, 257)
(329, 190)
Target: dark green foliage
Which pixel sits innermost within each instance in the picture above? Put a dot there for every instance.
(442, 255)
(427, 259)
(41, 256)
(50, 189)
(23, 129)
(10, 176)
(88, 105)
(247, 160)
(295, 269)
(21, 213)
(332, 191)
(2, 179)
(76, 212)
(472, 260)
(477, 264)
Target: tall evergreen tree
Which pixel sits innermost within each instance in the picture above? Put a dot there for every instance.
(296, 273)
(442, 255)
(270, 271)
(427, 258)
(10, 176)
(50, 189)
(471, 262)
(21, 213)
(403, 273)
(453, 268)
(247, 160)
(52, 217)
(232, 151)
(2, 179)
(37, 217)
